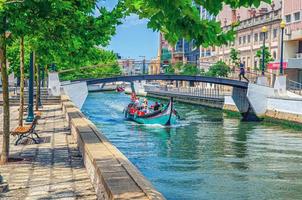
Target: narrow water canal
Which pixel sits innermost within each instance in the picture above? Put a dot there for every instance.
(206, 156)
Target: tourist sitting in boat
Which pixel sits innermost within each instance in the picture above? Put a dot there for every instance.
(156, 106)
(145, 109)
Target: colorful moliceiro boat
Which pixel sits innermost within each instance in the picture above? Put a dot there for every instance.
(165, 116)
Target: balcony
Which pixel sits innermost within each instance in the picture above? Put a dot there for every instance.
(295, 63)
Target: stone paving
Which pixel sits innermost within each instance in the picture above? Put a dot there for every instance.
(52, 169)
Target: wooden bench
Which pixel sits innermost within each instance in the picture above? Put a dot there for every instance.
(27, 132)
(38, 114)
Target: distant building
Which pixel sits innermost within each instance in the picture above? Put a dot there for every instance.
(140, 67)
(127, 66)
(184, 51)
(154, 66)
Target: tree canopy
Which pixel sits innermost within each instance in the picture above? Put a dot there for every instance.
(234, 55)
(219, 69)
(181, 18)
(68, 32)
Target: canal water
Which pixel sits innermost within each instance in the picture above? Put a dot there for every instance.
(207, 155)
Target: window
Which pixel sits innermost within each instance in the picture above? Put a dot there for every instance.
(261, 36)
(248, 38)
(297, 16)
(288, 18)
(275, 55)
(275, 32)
(256, 37)
(244, 39)
(240, 40)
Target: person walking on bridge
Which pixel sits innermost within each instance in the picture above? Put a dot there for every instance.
(242, 72)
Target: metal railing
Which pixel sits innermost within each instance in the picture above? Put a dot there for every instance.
(294, 87)
(214, 91)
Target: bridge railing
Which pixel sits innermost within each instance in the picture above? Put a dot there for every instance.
(252, 76)
(213, 91)
(294, 87)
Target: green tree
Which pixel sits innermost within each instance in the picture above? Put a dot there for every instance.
(234, 55)
(181, 18)
(267, 57)
(169, 69)
(219, 69)
(104, 63)
(60, 31)
(190, 69)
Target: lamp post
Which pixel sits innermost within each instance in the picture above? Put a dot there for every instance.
(39, 86)
(282, 26)
(30, 116)
(263, 30)
(43, 77)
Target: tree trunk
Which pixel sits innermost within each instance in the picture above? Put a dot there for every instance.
(6, 118)
(21, 109)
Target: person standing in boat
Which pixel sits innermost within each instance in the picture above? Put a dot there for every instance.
(133, 97)
(145, 103)
(136, 102)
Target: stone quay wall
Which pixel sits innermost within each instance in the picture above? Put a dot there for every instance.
(107, 167)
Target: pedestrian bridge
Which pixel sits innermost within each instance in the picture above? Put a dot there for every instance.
(164, 77)
(239, 93)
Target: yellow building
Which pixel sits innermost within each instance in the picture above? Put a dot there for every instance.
(154, 66)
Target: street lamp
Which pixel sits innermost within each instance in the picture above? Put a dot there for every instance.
(39, 85)
(282, 26)
(30, 113)
(263, 30)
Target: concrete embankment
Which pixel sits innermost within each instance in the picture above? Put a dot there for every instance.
(107, 167)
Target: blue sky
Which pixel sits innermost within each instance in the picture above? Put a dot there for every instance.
(133, 39)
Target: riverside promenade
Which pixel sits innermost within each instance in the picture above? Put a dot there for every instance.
(53, 169)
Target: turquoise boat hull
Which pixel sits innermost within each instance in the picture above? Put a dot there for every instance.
(165, 117)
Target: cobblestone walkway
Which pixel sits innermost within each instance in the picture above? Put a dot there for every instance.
(52, 169)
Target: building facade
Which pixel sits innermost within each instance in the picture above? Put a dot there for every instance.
(184, 51)
(127, 66)
(154, 66)
(249, 38)
(292, 14)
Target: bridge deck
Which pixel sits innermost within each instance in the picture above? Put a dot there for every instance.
(206, 79)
